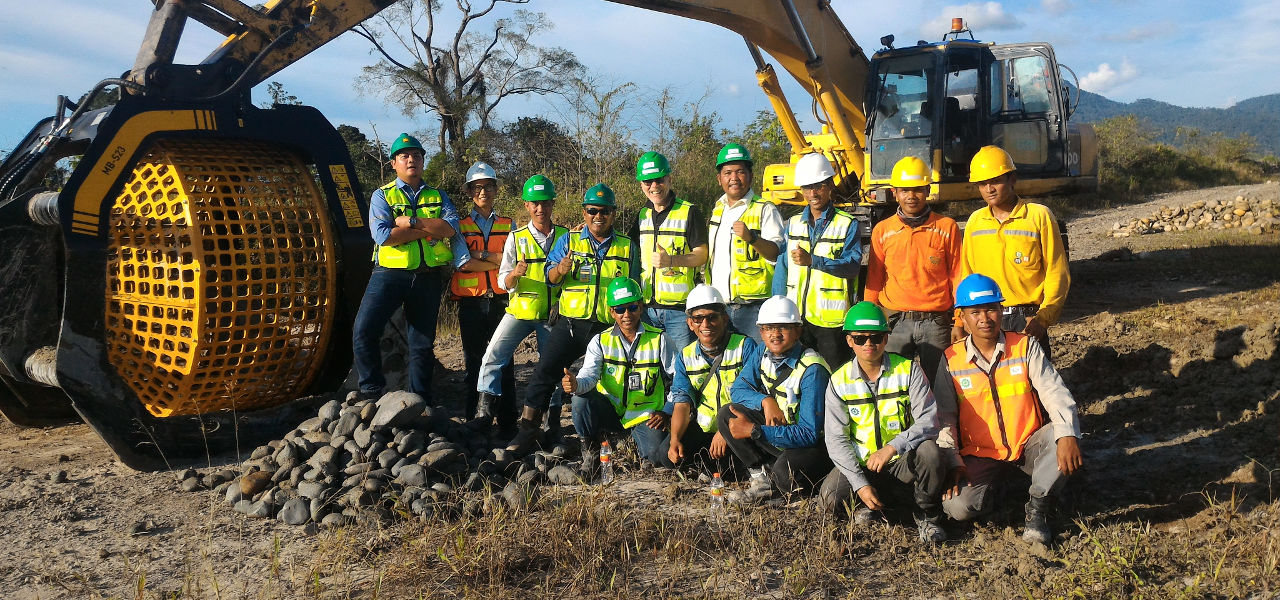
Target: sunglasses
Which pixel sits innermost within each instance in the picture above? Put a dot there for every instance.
(598, 211)
(862, 339)
(699, 319)
(618, 310)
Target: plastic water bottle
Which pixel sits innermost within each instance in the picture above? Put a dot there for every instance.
(606, 463)
(717, 493)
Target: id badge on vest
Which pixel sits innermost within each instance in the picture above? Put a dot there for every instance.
(635, 382)
(586, 268)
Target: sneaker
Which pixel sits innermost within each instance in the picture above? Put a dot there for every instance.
(863, 516)
(760, 490)
(930, 531)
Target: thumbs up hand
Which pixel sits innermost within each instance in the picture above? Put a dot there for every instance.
(569, 383)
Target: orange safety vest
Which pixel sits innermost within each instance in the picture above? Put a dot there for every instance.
(998, 409)
(470, 285)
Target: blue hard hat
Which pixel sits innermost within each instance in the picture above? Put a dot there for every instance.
(977, 290)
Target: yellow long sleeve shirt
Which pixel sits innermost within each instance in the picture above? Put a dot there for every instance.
(1024, 254)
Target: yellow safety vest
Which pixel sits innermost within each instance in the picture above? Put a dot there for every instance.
(750, 275)
(635, 384)
(784, 385)
(532, 297)
(582, 291)
(822, 297)
(712, 388)
(670, 285)
(419, 252)
(875, 416)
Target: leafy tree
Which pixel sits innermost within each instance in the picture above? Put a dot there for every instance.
(368, 156)
(278, 95)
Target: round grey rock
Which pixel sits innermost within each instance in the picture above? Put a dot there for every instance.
(330, 410)
(295, 512)
(396, 409)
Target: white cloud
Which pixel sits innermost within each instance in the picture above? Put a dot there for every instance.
(1055, 7)
(978, 16)
(1104, 78)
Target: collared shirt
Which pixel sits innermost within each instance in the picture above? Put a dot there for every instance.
(914, 268)
(509, 253)
(749, 391)
(382, 221)
(484, 223)
(561, 248)
(589, 374)
(924, 413)
(847, 265)
(682, 391)
(1053, 393)
(1024, 254)
(771, 228)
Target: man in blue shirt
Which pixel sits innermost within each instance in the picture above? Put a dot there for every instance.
(775, 421)
(414, 228)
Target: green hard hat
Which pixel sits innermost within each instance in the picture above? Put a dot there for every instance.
(538, 188)
(865, 316)
(733, 153)
(622, 290)
(405, 141)
(599, 195)
(652, 165)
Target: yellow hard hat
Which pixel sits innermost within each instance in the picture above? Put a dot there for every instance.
(910, 172)
(989, 163)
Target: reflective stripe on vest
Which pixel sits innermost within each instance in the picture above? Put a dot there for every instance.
(532, 297)
(785, 386)
(472, 284)
(998, 410)
(670, 285)
(711, 390)
(411, 255)
(875, 417)
(582, 290)
(633, 403)
(750, 275)
(822, 297)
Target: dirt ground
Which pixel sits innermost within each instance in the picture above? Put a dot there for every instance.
(1169, 343)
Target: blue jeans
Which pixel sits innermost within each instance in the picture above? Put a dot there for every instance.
(743, 317)
(594, 416)
(674, 326)
(501, 352)
(419, 293)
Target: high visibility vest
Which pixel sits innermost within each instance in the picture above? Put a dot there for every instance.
(998, 409)
(635, 384)
(669, 285)
(419, 252)
(875, 416)
(750, 275)
(784, 385)
(822, 297)
(467, 284)
(533, 296)
(582, 291)
(712, 388)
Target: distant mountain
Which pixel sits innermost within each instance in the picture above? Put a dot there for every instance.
(1258, 116)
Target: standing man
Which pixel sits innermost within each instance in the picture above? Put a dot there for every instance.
(881, 426)
(672, 237)
(821, 257)
(914, 268)
(1006, 409)
(704, 373)
(776, 415)
(629, 393)
(1017, 244)
(745, 233)
(582, 263)
(481, 301)
(523, 275)
(414, 228)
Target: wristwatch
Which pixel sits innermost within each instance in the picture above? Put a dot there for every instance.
(484, 255)
(413, 221)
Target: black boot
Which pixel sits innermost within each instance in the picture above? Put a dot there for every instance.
(1037, 528)
(929, 524)
(529, 434)
(484, 410)
(590, 467)
(552, 436)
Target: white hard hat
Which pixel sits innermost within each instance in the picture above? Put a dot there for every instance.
(813, 168)
(481, 170)
(702, 296)
(778, 310)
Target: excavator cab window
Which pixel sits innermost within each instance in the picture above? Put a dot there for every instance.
(903, 112)
(962, 118)
(1025, 107)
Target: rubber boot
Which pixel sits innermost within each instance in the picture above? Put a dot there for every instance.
(1037, 529)
(529, 432)
(552, 436)
(589, 470)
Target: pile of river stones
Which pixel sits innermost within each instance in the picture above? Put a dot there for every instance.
(394, 457)
(1248, 214)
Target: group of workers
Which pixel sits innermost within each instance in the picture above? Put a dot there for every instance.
(734, 341)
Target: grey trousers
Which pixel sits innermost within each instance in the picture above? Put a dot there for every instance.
(921, 470)
(1039, 460)
(914, 334)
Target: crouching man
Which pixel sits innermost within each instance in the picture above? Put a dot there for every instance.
(775, 420)
(1006, 408)
(881, 425)
(629, 366)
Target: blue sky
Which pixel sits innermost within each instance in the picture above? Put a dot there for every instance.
(1188, 53)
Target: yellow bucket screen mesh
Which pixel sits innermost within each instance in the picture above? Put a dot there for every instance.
(220, 277)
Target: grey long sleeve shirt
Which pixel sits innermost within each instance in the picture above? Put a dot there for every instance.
(924, 412)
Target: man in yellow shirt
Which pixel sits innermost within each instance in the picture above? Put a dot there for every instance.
(1017, 244)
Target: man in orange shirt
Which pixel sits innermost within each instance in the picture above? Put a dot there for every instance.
(914, 268)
